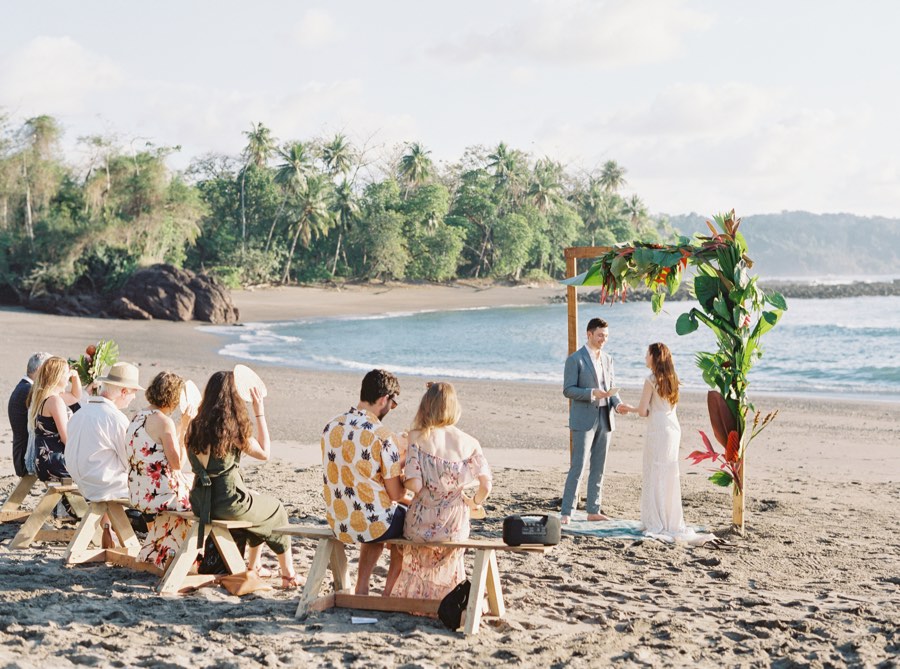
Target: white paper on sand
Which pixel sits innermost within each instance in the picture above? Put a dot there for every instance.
(245, 379)
(359, 620)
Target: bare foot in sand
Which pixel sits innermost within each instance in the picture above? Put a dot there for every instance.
(563, 520)
(597, 516)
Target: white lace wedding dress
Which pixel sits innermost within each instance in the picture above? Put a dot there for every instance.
(661, 514)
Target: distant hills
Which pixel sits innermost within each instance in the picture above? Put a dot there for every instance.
(802, 244)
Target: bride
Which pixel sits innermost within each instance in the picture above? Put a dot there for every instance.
(661, 514)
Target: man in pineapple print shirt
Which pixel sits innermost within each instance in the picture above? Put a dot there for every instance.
(362, 481)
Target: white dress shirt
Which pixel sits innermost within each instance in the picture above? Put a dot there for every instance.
(95, 450)
(597, 359)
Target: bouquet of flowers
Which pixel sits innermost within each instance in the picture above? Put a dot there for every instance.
(96, 360)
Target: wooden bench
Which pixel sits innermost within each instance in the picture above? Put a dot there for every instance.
(90, 531)
(12, 511)
(176, 578)
(331, 555)
(32, 529)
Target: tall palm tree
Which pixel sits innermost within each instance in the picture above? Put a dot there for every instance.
(337, 155)
(312, 215)
(290, 175)
(509, 171)
(612, 176)
(415, 166)
(260, 147)
(636, 211)
(546, 185)
(345, 209)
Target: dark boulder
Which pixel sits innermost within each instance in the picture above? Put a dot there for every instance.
(170, 293)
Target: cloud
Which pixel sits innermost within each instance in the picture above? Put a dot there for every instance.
(54, 75)
(703, 148)
(565, 32)
(316, 29)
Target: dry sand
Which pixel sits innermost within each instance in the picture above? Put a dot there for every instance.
(816, 581)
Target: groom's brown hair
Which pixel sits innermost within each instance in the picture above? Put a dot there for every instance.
(595, 323)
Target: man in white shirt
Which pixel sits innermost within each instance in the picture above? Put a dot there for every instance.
(95, 450)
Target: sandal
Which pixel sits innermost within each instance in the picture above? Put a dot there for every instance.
(290, 582)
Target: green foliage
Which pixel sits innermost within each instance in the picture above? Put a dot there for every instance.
(307, 210)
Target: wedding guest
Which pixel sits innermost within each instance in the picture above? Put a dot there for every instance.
(362, 461)
(216, 439)
(157, 457)
(661, 513)
(95, 450)
(17, 410)
(440, 462)
(50, 407)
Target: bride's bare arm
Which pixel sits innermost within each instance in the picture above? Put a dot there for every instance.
(643, 409)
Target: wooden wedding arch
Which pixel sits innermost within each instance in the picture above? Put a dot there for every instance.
(730, 303)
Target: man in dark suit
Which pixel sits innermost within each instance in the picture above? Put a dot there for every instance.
(589, 382)
(18, 412)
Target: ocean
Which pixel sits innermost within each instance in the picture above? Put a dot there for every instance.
(821, 347)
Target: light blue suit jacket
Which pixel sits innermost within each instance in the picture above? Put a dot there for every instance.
(579, 379)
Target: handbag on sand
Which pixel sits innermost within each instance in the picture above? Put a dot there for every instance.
(453, 604)
(243, 583)
(535, 529)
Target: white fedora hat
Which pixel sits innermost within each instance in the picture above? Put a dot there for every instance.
(122, 374)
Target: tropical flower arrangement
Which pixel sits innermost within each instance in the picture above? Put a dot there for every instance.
(96, 360)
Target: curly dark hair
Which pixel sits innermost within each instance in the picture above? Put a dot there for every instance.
(164, 390)
(378, 383)
(222, 423)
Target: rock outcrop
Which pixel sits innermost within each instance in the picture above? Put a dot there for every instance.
(161, 291)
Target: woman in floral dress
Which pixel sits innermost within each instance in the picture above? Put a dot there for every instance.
(440, 462)
(156, 459)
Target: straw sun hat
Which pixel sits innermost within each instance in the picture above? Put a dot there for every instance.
(122, 374)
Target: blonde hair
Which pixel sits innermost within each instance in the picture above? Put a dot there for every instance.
(663, 369)
(438, 408)
(50, 374)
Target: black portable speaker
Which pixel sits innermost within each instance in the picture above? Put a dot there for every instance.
(543, 529)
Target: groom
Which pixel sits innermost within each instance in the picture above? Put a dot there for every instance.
(587, 380)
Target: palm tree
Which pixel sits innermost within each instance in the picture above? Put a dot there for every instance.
(312, 215)
(346, 212)
(612, 176)
(546, 185)
(260, 147)
(290, 175)
(337, 155)
(634, 208)
(509, 171)
(415, 166)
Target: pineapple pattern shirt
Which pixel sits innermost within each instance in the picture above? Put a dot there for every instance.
(358, 454)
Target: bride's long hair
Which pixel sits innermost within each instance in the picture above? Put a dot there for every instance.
(663, 369)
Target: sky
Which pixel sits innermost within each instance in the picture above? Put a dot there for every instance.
(709, 105)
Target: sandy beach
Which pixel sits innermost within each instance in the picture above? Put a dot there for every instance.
(815, 582)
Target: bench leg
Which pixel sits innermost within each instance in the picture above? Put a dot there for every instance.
(181, 563)
(78, 550)
(494, 591)
(35, 522)
(122, 527)
(480, 571)
(19, 493)
(229, 550)
(317, 572)
(78, 503)
(340, 571)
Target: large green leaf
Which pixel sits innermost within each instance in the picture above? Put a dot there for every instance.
(656, 302)
(706, 288)
(673, 279)
(777, 300)
(721, 308)
(619, 266)
(721, 478)
(686, 323)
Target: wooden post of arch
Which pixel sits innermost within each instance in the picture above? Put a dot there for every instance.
(572, 255)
